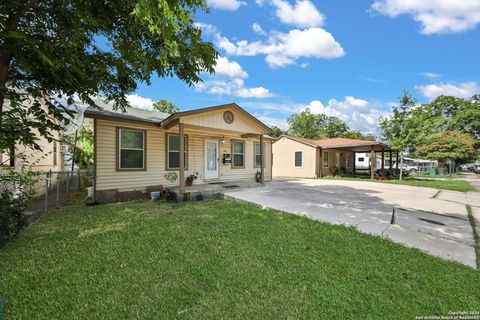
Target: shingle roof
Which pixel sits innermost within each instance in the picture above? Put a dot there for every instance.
(336, 142)
(132, 113)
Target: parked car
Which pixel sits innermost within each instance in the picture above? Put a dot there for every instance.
(410, 169)
(476, 168)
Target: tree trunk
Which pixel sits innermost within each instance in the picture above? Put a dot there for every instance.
(401, 165)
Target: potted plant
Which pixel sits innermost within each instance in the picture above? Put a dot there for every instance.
(190, 178)
(338, 171)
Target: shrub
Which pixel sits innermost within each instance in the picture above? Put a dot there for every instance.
(16, 190)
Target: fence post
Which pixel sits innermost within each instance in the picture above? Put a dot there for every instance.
(94, 180)
(68, 183)
(58, 189)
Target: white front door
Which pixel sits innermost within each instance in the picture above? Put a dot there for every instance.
(211, 159)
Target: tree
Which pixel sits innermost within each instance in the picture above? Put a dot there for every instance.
(354, 134)
(455, 114)
(83, 144)
(399, 130)
(52, 52)
(165, 106)
(332, 127)
(448, 146)
(276, 132)
(305, 124)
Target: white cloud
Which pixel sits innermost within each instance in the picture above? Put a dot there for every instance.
(231, 5)
(435, 16)
(431, 75)
(257, 28)
(283, 49)
(140, 102)
(359, 114)
(235, 87)
(228, 79)
(302, 14)
(229, 69)
(462, 90)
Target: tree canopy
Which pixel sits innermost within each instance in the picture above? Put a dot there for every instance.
(52, 52)
(165, 106)
(310, 125)
(276, 132)
(448, 146)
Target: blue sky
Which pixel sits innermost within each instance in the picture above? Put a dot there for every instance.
(351, 59)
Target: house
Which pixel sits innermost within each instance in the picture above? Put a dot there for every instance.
(49, 157)
(134, 150)
(307, 158)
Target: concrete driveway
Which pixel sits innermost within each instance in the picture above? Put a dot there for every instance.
(423, 219)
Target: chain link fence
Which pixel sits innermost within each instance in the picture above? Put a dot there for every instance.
(52, 189)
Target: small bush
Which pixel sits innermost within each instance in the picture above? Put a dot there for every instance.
(15, 193)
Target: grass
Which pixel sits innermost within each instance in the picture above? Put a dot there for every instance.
(219, 259)
(476, 236)
(445, 184)
(454, 176)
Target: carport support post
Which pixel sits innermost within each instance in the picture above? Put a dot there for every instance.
(354, 163)
(390, 159)
(262, 161)
(181, 136)
(396, 162)
(383, 159)
(372, 163)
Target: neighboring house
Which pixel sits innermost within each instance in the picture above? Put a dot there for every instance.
(134, 150)
(48, 158)
(300, 157)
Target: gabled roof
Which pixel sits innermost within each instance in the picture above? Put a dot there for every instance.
(333, 143)
(160, 118)
(178, 115)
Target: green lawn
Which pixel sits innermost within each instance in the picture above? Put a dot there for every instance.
(219, 259)
(444, 184)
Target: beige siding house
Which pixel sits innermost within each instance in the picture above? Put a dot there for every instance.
(135, 150)
(307, 158)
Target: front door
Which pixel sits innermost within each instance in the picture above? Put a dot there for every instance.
(211, 159)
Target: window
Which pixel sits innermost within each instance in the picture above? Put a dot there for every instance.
(298, 158)
(173, 153)
(257, 154)
(238, 150)
(361, 159)
(131, 154)
(325, 158)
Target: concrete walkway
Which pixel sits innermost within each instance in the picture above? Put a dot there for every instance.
(439, 226)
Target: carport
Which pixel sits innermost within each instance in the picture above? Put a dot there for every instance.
(359, 146)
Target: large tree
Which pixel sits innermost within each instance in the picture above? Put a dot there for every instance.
(316, 125)
(399, 129)
(52, 52)
(276, 132)
(455, 114)
(165, 106)
(449, 147)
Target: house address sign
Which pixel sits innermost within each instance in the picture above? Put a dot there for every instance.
(228, 117)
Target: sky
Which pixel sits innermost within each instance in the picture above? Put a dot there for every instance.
(351, 59)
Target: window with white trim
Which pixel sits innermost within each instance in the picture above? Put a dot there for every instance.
(131, 145)
(258, 154)
(238, 153)
(173, 151)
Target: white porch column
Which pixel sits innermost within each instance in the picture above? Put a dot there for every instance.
(181, 135)
(262, 162)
